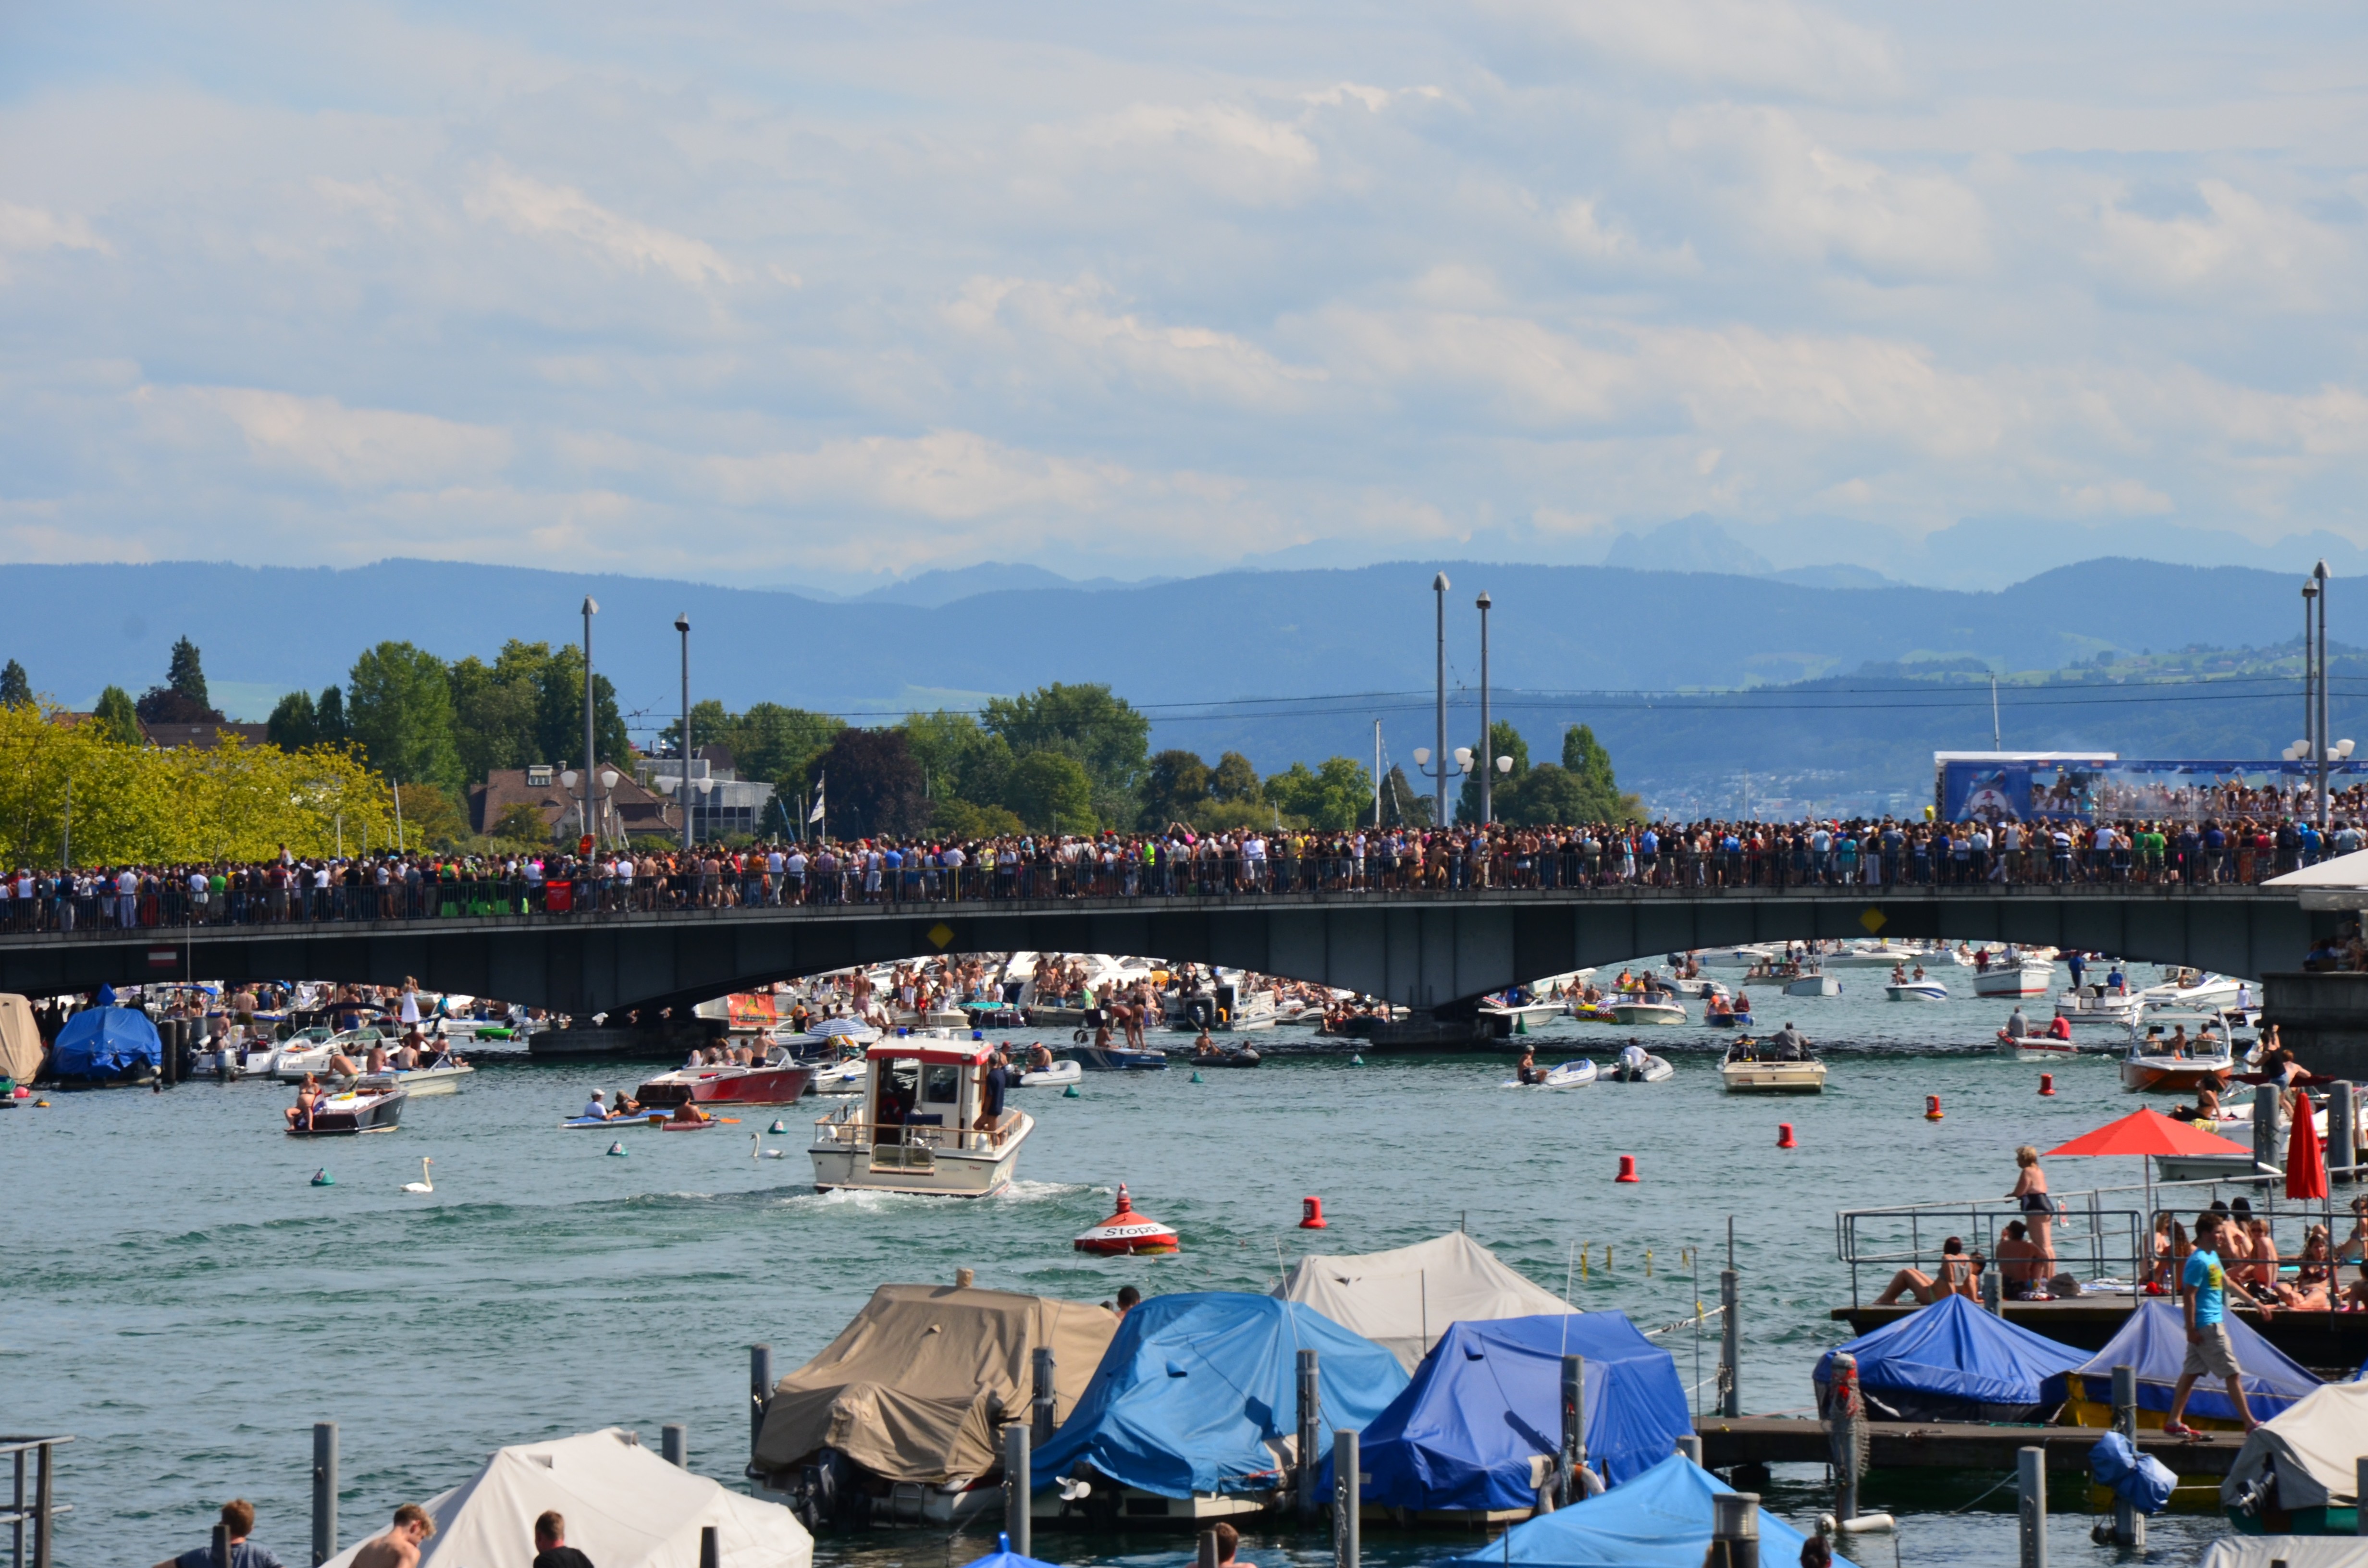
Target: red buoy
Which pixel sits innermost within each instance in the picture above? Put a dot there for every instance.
(1627, 1168)
(1311, 1214)
(1128, 1232)
(1784, 1136)
(1932, 1107)
(2047, 1085)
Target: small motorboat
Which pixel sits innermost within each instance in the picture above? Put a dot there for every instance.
(1226, 1056)
(1813, 983)
(1917, 991)
(2016, 977)
(1128, 1234)
(1751, 1068)
(1120, 1059)
(2036, 1047)
(311, 1057)
(372, 1104)
(1052, 1077)
(1871, 955)
(591, 1123)
(441, 1077)
(838, 1077)
(1567, 1075)
(669, 1124)
(1638, 1066)
(781, 1079)
(1653, 1009)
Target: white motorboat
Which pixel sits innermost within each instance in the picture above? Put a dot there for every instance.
(1523, 1012)
(443, 1078)
(1702, 986)
(1813, 985)
(2092, 1005)
(2180, 1062)
(1566, 1076)
(2235, 1124)
(2015, 977)
(1917, 991)
(915, 1129)
(839, 1078)
(1750, 955)
(1631, 1012)
(295, 1063)
(1052, 1077)
(1637, 1066)
(1871, 955)
(1753, 1078)
(2035, 1047)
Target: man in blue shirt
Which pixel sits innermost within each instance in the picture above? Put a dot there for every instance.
(2203, 1287)
(237, 1519)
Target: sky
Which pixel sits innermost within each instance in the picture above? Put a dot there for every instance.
(816, 295)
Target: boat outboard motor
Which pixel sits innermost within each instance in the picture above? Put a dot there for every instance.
(830, 1497)
(1633, 1059)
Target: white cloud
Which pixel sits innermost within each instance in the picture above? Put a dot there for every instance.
(351, 447)
(25, 230)
(528, 206)
(1074, 319)
(1763, 45)
(2240, 249)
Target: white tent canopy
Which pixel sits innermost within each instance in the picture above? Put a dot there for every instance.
(2312, 1448)
(2294, 1550)
(2338, 883)
(1404, 1299)
(625, 1507)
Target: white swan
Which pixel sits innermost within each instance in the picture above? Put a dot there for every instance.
(423, 1184)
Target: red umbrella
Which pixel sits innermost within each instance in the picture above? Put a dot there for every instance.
(2146, 1133)
(2306, 1162)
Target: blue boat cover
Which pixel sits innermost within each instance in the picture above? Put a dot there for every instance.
(1952, 1354)
(1195, 1386)
(102, 1042)
(1489, 1395)
(1004, 1557)
(2154, 1342)
(1661, 1519)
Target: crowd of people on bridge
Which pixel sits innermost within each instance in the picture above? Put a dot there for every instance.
(1177, 861)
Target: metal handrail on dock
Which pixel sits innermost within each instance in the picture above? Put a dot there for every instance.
(42, 1510)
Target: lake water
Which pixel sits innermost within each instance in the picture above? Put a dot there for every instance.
(179, 1298)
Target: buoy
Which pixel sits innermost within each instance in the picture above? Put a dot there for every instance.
(1356, 1062)
(323, 1178)
(1126, 1232)
(779, 1126)
(617, 1148)
(1198, 1079)
(1071, 1093)
(1784, 1136)
(1311, 1214)
(40, 1105)
(1932, 1107)
(1627, 1168)
(2047, 1085)
(1520, 1023)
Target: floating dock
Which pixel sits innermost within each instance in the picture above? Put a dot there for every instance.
(2333, 1345)
(1945, 1445)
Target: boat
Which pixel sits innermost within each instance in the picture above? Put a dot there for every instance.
(2016, 977)
(1568, 1075)
(1747, 1071)
(372, 1104)
(2092, 1005)
(781, 1079)
(2297, 1472)
(1225, 1056)
(1637, 1066)
(1953, 1362)
(2153, 1341)
(916, 1129)
(2157, 1064)
(1631, 1012)
(295, 1063)
(838, 1077)
(2235, 1123)
(1750, 955)
(1917, 991)
(1813, 982)
(1120, 1059)
(1052, 1077)
(2034, 1047)
(1725, 1017)
(1522, 1012)
(443, 1077)
(1872, 955)
(1590, 1012)
(1404, 1298)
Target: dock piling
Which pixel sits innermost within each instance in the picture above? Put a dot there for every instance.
(1568, 1488)
(1691, 1446)
(2265, 1132)
(1348, 1501)
(2031, 1483)
(673, 1445)
(710, 1549)
(1734, 1530)
(1730, 1344)
(1045, 1399)
(2360, 1490)
(221, 1558)
(1018, 1486)
(324, 1491)
(1992, 1302)
(1208, 1558)
(1846, 1436)
(1311, 1432)
(2343, 1130)
(2129, 1525)
(760, 1392)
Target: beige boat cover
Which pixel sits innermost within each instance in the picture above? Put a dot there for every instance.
(2294, 1550)
(921, 1384)
(20, 1042)
(2312, 1445)
(625, 1507)
(1405, 1299)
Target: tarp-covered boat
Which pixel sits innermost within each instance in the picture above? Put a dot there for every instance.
(20, 1040)
(1661, 1519)
(2154, 1342)
(101, 1045)
(1404, 1298)
(2295, 1475)
(1196, 1401)
(625, 1507)
(1482, 1420)
(1952, 1361)
(914, 1395)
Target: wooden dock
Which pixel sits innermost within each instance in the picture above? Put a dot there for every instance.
(1945, 1445)
(2333, 1345)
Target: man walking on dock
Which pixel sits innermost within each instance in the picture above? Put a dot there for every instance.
(237, 1520)
(399, 1547)
(2202, 1289)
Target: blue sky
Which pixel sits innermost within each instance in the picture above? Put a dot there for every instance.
(809, 294)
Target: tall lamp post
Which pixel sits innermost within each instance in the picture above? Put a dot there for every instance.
(1490, 765)
(1422, 755)
(2325, 735)
(591, 608)
(682, 624)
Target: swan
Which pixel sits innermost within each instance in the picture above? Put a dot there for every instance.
(424, 1184)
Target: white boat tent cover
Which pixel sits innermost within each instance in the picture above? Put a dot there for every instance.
(921, 1384)
(625, 1507)
(21, 1041)
(1404, 1299)
(2313, 1447)
(2336, 871)
(2294, 1550)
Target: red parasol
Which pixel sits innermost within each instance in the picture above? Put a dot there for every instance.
(2306, 1162)
(2143, 1133)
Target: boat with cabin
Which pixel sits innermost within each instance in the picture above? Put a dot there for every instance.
(779, 1079)
(917, 1126)
(2017, 974)
(2178, 1062)
(1755, 1067)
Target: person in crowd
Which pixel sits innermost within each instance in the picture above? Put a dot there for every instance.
(237, 1524)
(2204, 1286)
(596, 1109)
(2038, 1210)
(1957, 1275)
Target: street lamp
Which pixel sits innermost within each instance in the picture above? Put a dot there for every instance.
(591, 608)
(1438, 586)
(682, 624)
(609, 782)
(2326, 746)
(567, 782)
(1487, 736)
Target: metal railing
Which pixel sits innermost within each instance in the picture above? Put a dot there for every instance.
(921, 1139)
(40, 1510)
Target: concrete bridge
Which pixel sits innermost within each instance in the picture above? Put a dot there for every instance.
(1436, 950)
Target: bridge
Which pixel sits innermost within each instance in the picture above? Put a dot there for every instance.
(1437, 950)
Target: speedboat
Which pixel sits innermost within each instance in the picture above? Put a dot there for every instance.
(838, 1077)
(2155, 1064)
(372, 1104)
(1751, 955)
(781, 1079)
(1917, 991)
(2094, 1004)
(294, 1063)
(1568, 1075)
(2016, 977)
(1052, 1077)
(2235, 1124)
(916, 1129)
(1747, 1071)
(1813, 985)
(1120, 1059)
(1651, 1008)
(1637, 1066)
(441, 1076)
(2035, 1047)
(1871, 955)
(1526, 1012)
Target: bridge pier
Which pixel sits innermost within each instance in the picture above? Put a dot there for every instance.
(2322, 1019)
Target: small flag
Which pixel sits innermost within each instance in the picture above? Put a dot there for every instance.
(815, 815)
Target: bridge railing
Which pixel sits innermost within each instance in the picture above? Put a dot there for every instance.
(269, 896)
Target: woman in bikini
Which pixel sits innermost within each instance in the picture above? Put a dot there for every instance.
(2038, 1209)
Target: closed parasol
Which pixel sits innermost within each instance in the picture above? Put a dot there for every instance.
(2305, 1159)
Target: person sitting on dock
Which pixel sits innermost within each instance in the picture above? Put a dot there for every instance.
(1956, 1278)
(308, 1101)
(2353, 1249)
(237, 1523)
(2314, 1287)
(399, 1547)
(2022, 1269)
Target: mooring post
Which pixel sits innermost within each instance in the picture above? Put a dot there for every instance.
(1735, 1530)
(2129, 1525)
(1991, 1302)
(2265, 1131)
(1568, 1488)
(1691, 1446)
(1730, 1344)
(2343, 1128)
(45, 1519)
(1208, 1558)
(710, 1549)
(1842, 1435)
(1311, 1432)
(1348, 1501)
(2031, 1482)
(324, 1491)
(221, 1558)
(1018, 1486)
(672, 1444)
(760, 1393)
(1045, 1400)
(2360, 1495)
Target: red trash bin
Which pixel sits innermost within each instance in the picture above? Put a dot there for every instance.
(559, 897)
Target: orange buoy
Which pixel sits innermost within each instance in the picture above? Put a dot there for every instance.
(1932, 1107)
(1127, 1232)
(1311, 1214)
(1784, 1136)
(1627, 1168)
(2047, 1085)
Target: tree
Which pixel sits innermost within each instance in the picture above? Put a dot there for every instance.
(431, 817)
(186, 674)
(1503, 741)
(117, 719)
(496, 709)
(1234, 778)
(15, 687)
(873, 785)
(1101, 731)
(1401, 803)
(1175, 783)
(962, 760)
(1584, 755)
(520, 824)
(959, 819)
(1051, 792)
(182, 698)
(329, 714)
(1334, 796)
(559, 709)
(1548, 795)
(402, 714)
(294, 723)
(771, 740)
